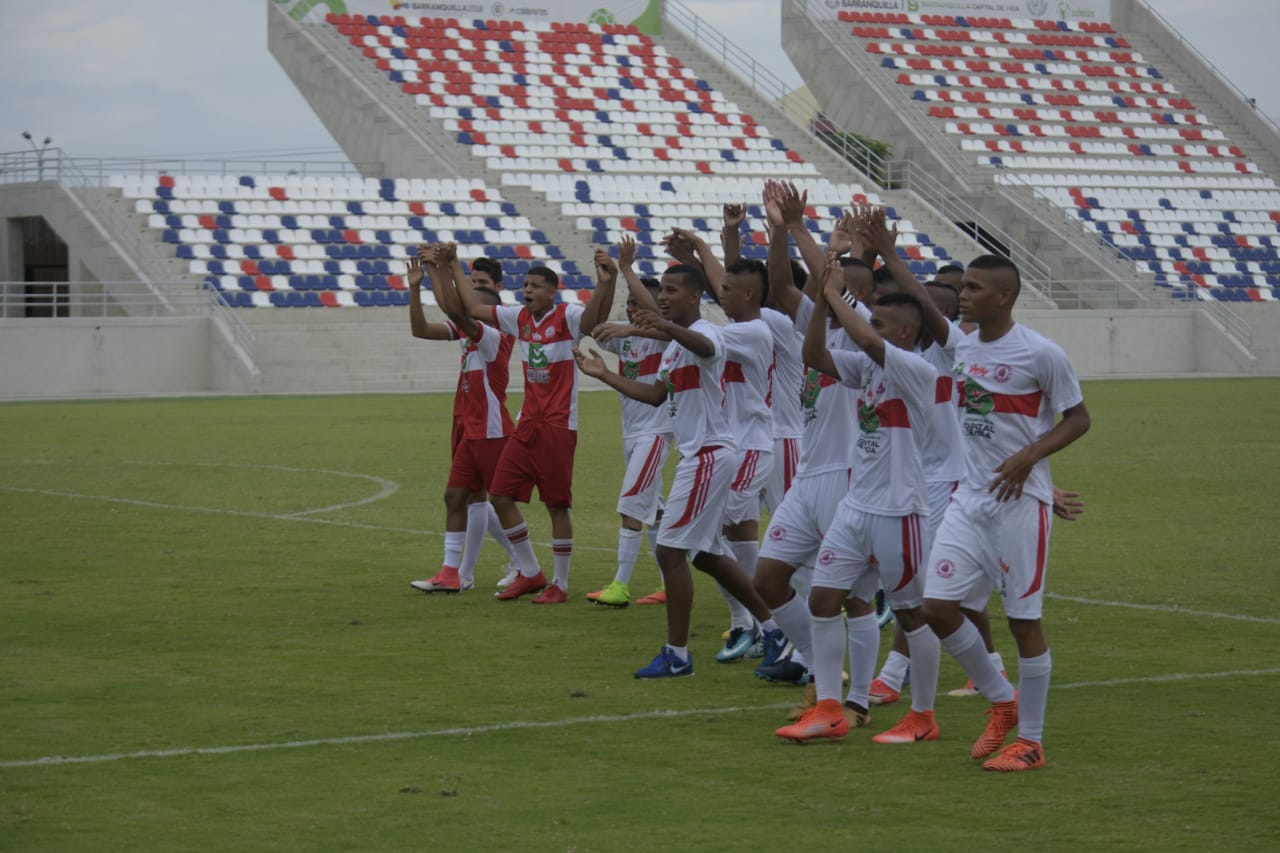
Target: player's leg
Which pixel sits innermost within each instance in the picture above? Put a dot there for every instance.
(742, 532)
(674, 659)
(639, 502)
(1023, 544)
(463, 475)
(976, 612)
(553, 466)
(513, 481)
(886, 688)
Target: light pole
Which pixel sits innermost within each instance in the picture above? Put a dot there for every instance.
(39, 149)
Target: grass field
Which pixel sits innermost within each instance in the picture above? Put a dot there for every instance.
(194, 574)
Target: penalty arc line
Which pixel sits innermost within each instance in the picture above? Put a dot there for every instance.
(517, 725)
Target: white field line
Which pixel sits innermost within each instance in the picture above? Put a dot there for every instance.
(1166, 608)
(516, 725)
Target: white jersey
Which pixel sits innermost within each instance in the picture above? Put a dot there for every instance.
(695, 397)
(639, 359)
(829, 409)
(1011, 391)
(788, 373)
(943, 453)
(748, 361)
(893, 407)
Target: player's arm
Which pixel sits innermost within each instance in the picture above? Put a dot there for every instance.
(885, 240)
(855, 325)
(696, 343)
(593, 365)
(601, 301)
(731, 233)
(418, 324)
(791, 204)
(814, 351)
(612, 331)
(693, 246)
(782, 284)
(627, 264)
(1012, 473)
(447, 280)
(471, 305)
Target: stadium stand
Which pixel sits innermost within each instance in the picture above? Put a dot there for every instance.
(1071, 110)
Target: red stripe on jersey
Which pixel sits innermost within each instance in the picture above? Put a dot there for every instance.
(733, 372)
(685, 378)
(1018, 404)
(893, 413)
(697, 495)
(651, 364)
(1042, 552)
(651, 464)
(944, 391)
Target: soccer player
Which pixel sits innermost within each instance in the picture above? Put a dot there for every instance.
(541, 450)
(646, 433)
(481, 422)
(690, 391)
(876, 537)
(1014, 384)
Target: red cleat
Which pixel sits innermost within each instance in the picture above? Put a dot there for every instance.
(522, 585)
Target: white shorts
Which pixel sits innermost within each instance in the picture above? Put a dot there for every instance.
(863, 552)
(782, 474)
(641, 494)
(984, 545)
(748, 481)
(696, 504)
(798, 524)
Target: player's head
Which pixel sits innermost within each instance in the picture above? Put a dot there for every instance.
(540, 287)
(486, 272)
(945, 299)
(680, 293)
(951, 274)
(991, 285)
(883, 283)
(746, 287)
(859, 279)
(651, 285)
(898, 318)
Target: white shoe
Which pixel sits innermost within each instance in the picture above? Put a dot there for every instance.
(511, 575)
(425, 586)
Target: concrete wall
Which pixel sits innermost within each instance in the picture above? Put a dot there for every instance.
(74, 357)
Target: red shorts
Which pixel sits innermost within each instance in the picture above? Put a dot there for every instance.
(474, 461)
(539, 455)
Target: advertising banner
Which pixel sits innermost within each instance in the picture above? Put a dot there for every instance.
(1040, 10)
(646, 15)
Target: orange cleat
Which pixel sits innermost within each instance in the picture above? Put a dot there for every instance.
(882, 694)
(659, 597)
(522, 585)
(552, 595)
(915, 726)
(825, 720)
(1002, 718)
(1019, 755)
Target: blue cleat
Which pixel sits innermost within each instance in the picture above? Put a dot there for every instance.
(738, 645)
(666, 665)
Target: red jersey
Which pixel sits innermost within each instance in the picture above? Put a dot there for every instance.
(546, 350)
(480, 403)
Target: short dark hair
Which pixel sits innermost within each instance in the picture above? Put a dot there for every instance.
(881, 274)
(545, 272)
(692, 275)
(751, 266)
(893, 300)
(799, 274)
(847, 261)
(490, 295)
(950, 268)
(650, 283)
(488, 266)
(999, 262)
(955, 297)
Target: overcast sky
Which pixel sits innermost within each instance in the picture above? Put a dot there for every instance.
(167, 77)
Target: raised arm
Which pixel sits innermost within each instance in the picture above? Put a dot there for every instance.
(593, 365)
(447, 279)
(1012, 473)
(601, 301)
(731, 233)
(418, 324)
(867, 338)
(782, 284)
(472, 306)
(814, 351)
(689, 248)
(884, 239)
(626, 263)
(791, 205)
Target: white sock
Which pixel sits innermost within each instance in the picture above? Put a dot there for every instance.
(651, 534)
(1033, 695)
(894, 671)
(739, 615)
(499, 533)
(996, 660)
(681, 652)
(965, 645)
(864, 650)
(477, 526)
(926, 658)
(828, 655)
(522, 550)
(561, 555)
(628, 553)
(794, 620)
(798, 657)
(802, 581)
(453, 541)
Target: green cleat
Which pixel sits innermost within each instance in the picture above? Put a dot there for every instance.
(616, 594)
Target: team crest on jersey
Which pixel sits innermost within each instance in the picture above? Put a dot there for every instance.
(1002, 373)
(826, 558)
(945, 569)
(777, 533)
